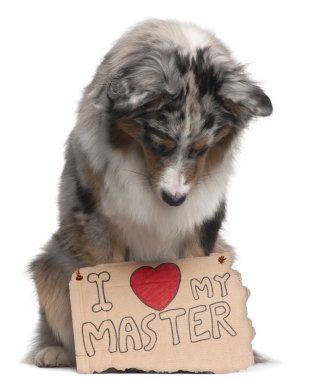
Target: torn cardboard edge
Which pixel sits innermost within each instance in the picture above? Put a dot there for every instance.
(179, 315)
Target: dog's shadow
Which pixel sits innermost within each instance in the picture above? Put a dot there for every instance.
(258, 359)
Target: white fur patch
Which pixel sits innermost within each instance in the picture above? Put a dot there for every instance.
(173, 181)
(197, 37)
(152, 229)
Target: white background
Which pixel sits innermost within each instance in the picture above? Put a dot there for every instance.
(277, 204)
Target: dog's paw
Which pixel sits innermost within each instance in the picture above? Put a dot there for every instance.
(53, 356)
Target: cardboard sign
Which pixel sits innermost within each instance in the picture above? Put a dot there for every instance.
(187, 314)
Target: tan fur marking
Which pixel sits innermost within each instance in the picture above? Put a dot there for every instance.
(169, 144)
(117, 248)
(212, 156)
(193, 171)
(238, 111)
(217, 152)
(201, 163)
(123, 133)
(53, 295)
(111, 250)
(153, 103)
(152, 164)
(200, 144)
(225, 131)
(192, 245)
(190, 172)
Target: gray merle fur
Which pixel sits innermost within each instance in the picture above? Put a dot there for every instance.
(166, 81)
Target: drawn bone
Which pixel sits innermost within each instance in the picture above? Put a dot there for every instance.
(99, 279)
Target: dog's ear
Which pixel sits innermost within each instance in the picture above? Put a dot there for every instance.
(144, 85)
(129, 99)
(242, 96)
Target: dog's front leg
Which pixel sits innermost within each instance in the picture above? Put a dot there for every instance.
(192, 246)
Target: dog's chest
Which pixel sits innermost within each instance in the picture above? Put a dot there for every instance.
(146, 245)
(150, 228)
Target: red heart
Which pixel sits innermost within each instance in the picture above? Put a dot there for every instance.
(156, 287)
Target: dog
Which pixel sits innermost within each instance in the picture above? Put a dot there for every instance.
(146, 165)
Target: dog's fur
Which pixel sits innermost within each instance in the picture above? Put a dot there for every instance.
(147, 164)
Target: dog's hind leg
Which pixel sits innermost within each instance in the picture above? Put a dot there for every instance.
(48, 350)
(54, 343)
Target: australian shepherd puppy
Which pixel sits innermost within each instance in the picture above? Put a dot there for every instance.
(147, 164)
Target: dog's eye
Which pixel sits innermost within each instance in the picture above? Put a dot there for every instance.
(160, 142)
(194, 153)
(164, 150)
(162, 147)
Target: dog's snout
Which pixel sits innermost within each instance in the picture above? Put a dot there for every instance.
(173, 199)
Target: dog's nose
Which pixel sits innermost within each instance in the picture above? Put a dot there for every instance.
(173, 199)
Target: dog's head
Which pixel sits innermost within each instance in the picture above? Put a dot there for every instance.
(175, 92)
